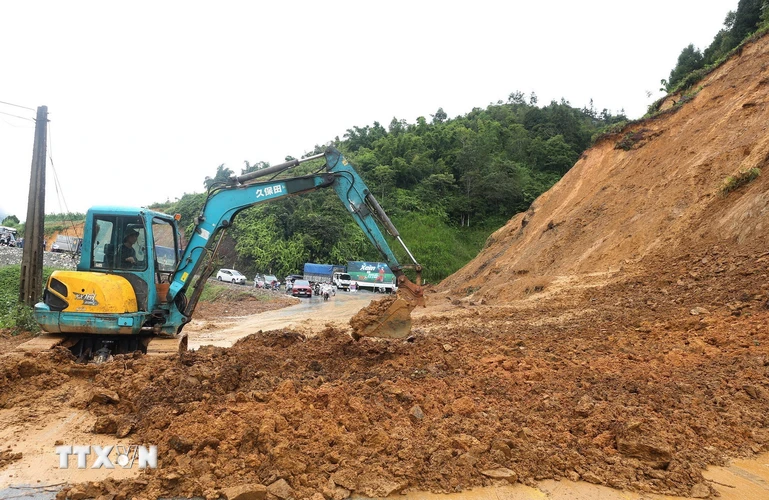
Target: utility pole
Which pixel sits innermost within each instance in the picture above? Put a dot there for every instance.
(32, 257)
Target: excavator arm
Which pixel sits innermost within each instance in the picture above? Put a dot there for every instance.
(240, 192)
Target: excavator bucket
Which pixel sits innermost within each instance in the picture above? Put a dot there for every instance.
(390, 317)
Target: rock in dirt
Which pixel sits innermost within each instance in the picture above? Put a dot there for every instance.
(124, 428)
(7, 457)
(464, 406)
(591, 477)
(27, 368)
(180, 444)
(281, 489)
(700, 490)
(105, 424)
(246, 492)
(378, 484)
(104, 396)
(656, 455)
(336, 493)
(501, 473)
(346, 478)
(585, 406)
(76, 494)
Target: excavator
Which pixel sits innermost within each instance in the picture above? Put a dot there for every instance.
(135, 287)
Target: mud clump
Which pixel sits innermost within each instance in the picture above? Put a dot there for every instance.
(7, 457)
(370, 315)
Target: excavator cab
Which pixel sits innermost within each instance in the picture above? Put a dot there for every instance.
(118, 295)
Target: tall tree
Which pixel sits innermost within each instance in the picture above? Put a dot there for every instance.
(689, 60)
(222, 174)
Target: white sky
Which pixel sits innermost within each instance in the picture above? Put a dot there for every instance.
(147, 98)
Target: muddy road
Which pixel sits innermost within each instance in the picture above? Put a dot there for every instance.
(309, 316)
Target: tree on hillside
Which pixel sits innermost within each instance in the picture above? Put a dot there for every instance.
(222, 174)
(439, 116)
(252, 168)
(11, 221)
(690, 59)
(738, 25)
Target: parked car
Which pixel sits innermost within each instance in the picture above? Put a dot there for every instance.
(231, 276)
(301, 288)
(290, 281)
(265, 280)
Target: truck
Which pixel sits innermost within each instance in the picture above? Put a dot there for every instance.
(123, 297)
(342, 280)
(320, 273)
(375, 276)
(68, 244)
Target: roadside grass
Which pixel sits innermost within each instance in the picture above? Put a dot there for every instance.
(13, 315)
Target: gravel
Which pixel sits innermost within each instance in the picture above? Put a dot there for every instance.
(10, 256)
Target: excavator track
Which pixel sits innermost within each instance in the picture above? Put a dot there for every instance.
(42, 342)
(171, 346)
(155, 346)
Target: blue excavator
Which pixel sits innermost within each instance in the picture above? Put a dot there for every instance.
(135, 287)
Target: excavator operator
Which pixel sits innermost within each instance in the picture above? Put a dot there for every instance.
(127, 252)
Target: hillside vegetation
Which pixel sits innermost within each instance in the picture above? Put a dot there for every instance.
(446, 184)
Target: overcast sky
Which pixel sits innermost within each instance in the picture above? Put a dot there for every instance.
(146, 99)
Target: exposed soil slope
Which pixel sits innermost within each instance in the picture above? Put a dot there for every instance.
(617, 207)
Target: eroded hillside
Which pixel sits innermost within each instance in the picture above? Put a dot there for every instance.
(652, 190)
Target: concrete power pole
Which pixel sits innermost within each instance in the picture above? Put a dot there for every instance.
(31, 287)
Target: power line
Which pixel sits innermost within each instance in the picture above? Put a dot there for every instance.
(17, 116)
(57, 185)
(17, 105)
(14, 125)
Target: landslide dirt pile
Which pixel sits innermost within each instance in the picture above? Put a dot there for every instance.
(652, 189)
(616, 395)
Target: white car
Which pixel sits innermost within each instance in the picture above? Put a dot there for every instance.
(231, 276)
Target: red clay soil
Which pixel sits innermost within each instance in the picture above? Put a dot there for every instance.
(615, 333)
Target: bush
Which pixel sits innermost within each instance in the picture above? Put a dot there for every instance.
(734, 182)
(14, 315)
(630, 139)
